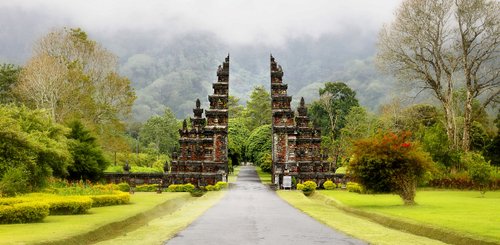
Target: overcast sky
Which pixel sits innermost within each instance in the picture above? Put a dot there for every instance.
(234, 21)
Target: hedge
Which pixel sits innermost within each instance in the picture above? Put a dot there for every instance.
(117, 198)
(69, 204)
(181, 188)
(146, 188)
(26, 212)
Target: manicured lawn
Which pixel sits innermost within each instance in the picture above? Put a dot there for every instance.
(350, 224)
(265, 178)
(60, 227)
(165, 227)
(463, 211)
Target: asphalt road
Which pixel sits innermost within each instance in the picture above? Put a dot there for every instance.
(250, 213)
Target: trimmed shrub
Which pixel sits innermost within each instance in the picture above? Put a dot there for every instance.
(181, 188)
(125, 187)
(300, 187)
(221, 185)
(146, 188)
(26, 212)
(329, 185)
(117, 198)
(354, 187)
(14, 181)
(310, 185)
(69, 205)
(210, 188)
(188, 187)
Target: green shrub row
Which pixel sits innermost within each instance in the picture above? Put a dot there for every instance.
(117, 198)
(25, 212)
(217, 187)
(181, 188)
(355, 187)
(69, 204)
(146, 188)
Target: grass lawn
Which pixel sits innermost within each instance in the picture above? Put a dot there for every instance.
(366, 230)
(462, 211)
(60, 227)
(165, 227)
(265, 178)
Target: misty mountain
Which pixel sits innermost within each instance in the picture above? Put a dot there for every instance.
(169, 70)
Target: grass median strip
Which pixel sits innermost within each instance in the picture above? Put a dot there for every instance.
(99, 223)
(350, 224)
(159, 230)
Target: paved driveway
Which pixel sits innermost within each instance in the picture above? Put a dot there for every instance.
(250, 213)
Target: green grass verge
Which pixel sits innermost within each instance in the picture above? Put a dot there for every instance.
(234, 175)
(363, 229)
(459, 217)
(265, 178)
(165, 227)
(98, 224)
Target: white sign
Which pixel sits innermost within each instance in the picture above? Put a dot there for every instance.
(287, 181)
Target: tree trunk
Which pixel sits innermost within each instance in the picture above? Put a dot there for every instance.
(467, 122)
(450, 124)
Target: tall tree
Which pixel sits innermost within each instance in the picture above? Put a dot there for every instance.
(436, 43)
(161, 132)
(258, 108)
(336, 100)
(9, 76)
(416, 48)
(74, 77)
(235, 109)
(478, 44)
(88, 160)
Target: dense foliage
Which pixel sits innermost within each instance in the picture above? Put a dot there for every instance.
(390, 163)
(88, 160)
(31, 142)
(259, 143)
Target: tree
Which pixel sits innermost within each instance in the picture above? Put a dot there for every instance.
(336, 99)
(237, 137)
(162, 132)
(29, 140)
(358, 125)
(258, 108)
(88, 160)
(479, 170)
(478, 43)
(259, 143)
(74, 77)
(235, 109)
(431, 43)
(390, 163)
(9, 76)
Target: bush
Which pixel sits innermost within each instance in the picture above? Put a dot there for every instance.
(221, 185)
(310, 185)
(147, 188)
(479, 170)
(124, 187)
(181, 188)
(390, 163)
(266, 162)
(25, 212)
(69, 205)
(329, 185)
(300, 187)
(355, 187)
(117, 198)
(14, 181)
(210, 188)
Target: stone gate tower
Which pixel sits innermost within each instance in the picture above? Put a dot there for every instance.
(296, 147)
(202, 159)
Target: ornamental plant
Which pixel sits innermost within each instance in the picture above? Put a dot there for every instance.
(390, 163)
